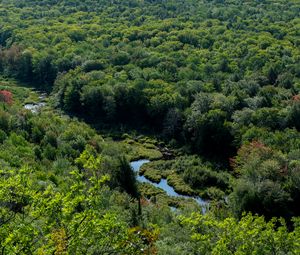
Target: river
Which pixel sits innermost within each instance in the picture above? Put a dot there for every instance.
(136, 165)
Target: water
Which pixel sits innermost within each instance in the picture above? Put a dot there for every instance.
(136, 165)
(36, 107)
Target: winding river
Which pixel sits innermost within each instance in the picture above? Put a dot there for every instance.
(136, 165)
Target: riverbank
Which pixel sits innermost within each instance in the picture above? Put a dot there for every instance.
(165, 187)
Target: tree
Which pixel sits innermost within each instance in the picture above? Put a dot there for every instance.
(250, 235)
(45, 71)
(25, 67)
(294, 113)
(206, 128)
(173, 123)
(262, 185)
(126, 178)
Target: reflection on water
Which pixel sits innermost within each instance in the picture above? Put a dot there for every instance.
(136, 165)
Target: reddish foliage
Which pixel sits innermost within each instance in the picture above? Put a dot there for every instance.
(6, 96)
(254, 145)
(296, 98)
(258, 145)
(144, 202)
(232, 162)
(246, 150)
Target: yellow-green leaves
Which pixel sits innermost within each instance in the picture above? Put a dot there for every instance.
(247, 236)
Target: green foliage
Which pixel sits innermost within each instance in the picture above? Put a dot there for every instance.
(140, 63)
(267, 182)
(38, 217)
(187, 175)
(64, 190)
(211, 76)
(250, 235)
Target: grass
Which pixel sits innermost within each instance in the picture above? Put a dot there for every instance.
(179, 185)
(143, 148)
(156, 170)
(22, 94)
(182, 172)
(158, 196)
(153, 176)
(19, 93)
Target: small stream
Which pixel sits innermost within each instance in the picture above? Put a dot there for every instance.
(136, 165)
(36, 107)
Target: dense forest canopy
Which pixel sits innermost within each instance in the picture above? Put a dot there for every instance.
(217, 81)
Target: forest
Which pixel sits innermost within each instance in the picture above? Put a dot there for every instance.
(149, 127)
